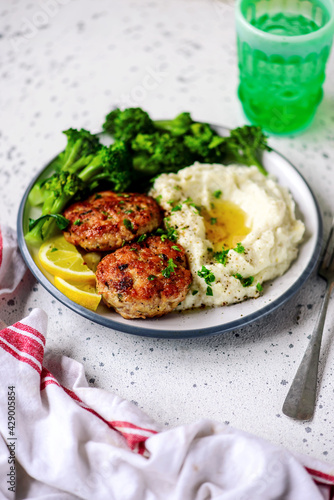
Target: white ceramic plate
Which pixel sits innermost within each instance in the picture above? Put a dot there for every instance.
(216, 320)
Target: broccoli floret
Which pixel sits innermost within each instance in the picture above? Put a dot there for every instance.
(205, 143)
(80, 149)
(125, 125)
(244, 144)
(110, 164)
(157, 153)
(180, 125)
(192, 141)
(116, 167)
(58, 190)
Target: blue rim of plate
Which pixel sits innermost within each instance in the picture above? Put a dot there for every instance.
(167, 333)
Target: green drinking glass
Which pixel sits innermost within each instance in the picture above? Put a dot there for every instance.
(283, 48)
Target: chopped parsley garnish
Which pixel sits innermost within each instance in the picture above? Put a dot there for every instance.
(151, 277)
(239, 248)
(77, 222)
(259, 287)
(169, 269)
(174, 247)
(128, 224)
(209, 291)
(170, 202)
(207, 275)
(104, 213)
(217, 194)
(244, 281)
(169, 233)
(213, 221)
(169, 236)
(98, 196)
(195, 292)
(176, 208)
(54, 249)
(190, 202)
(128, 211)
(221, 257)
(142, 237)
(158, 198)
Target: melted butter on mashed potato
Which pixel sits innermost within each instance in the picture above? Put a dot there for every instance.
(217, 207)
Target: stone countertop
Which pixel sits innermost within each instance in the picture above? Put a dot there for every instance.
(66, 63)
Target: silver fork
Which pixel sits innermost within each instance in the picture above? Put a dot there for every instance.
(300, 400)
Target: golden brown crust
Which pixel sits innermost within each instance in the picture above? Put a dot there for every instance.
(106, 220)
(132, 279)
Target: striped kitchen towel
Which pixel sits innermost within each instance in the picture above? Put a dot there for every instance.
(61, 439)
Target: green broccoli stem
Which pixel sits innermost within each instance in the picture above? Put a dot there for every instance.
(55, 204)
(71, 156)
(163, 124)
(36, 196)
(40, 232)
(79, 164)
(260, 167)
(92, 169)
(37, 231)
(46, 225)
(72, 165)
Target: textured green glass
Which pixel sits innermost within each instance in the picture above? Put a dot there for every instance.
(280, 94)
(281, 85)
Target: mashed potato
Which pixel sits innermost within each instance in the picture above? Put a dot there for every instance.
(237, 226)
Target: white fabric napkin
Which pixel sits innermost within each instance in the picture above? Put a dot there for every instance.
(72, 441)
(62, 440)
(12, 267)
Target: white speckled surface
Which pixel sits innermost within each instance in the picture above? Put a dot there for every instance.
(67, 63)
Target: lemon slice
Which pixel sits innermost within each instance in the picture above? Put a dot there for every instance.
(62, 259)
(83, 294)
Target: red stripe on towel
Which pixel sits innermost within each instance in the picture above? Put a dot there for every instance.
(19, 357)
(133, 439)
(23, 343)
(321, 475)
(29, 329)
(136, 442)
(45, 373)
(117, 423)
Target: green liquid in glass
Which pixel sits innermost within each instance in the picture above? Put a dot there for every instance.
(285, 24)
(281, 94)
